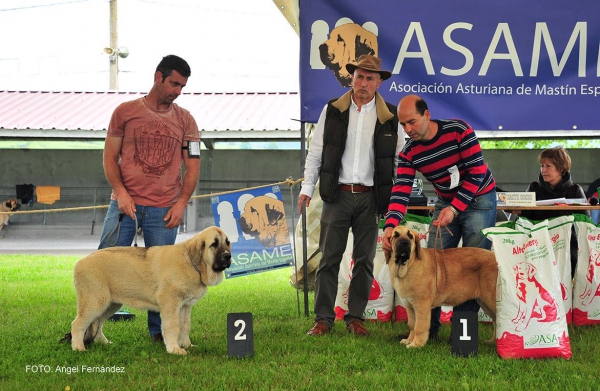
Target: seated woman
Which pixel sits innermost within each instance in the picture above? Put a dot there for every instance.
(555, 182)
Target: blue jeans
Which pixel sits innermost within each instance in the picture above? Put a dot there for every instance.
(480, 214)
(151, 220)
(595, 216)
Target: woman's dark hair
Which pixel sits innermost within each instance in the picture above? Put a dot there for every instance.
(559, 157)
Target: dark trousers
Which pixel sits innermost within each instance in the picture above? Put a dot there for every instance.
(350, 211)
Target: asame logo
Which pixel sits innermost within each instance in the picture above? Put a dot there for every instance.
(595, 314)
(542, 340)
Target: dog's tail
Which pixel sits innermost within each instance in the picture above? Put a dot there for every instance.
(88, 337)
(67, 338)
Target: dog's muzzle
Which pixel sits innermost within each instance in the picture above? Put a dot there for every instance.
(222, 262)
(403, 248)
(244, 226)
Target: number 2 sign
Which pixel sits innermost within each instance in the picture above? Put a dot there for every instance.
(240, 337)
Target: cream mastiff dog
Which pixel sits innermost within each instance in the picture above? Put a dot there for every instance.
(168, 279)
(426, 278)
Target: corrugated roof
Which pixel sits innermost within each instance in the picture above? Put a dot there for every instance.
(87, 114)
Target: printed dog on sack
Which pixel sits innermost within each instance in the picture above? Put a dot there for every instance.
(589, 293)
(10, 205)
(426, 278)
(264, 218)
(534, 299)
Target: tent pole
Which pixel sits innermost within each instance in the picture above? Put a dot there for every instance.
(304, 244)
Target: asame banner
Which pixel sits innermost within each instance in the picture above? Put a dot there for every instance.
(499, 65)
(255, 223)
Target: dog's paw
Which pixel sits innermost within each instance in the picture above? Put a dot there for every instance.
(185, 343)
(78, 348)
(405, 341)
(415, 344)
(177, 350)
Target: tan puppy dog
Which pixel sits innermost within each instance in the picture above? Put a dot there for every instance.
(264, 218)
(168, 279)
(10, 205)
(426, 278)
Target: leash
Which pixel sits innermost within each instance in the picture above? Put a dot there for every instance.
(438, 235)
(118, 229)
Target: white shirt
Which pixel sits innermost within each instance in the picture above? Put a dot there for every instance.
(358, 161)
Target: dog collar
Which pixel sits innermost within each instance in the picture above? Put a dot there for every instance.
(195, 267)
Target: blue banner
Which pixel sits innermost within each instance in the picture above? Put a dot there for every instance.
(499, 65)
(255, 223)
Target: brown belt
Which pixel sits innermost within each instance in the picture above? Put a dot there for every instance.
(355, 188)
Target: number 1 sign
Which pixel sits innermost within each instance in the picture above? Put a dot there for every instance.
(465, 338)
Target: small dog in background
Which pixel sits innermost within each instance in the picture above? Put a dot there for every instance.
(10, 205)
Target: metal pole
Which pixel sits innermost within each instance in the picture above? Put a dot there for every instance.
(114, 58)
(304, 244)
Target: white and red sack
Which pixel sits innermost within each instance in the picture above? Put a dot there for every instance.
(559, 229)
(530, 318)
(381, 297)
(586, 287)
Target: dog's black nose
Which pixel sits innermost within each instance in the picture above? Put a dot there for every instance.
(403, 248)
(222, 262)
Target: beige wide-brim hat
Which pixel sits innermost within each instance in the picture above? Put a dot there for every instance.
(369, 63)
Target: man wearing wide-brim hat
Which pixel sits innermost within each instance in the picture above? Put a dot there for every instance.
(352, 154)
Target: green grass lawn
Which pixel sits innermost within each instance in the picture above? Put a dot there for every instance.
(38, 303)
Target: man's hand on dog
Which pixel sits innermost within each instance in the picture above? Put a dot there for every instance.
(386, 245)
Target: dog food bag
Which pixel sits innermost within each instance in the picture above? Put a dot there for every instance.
(586, 289)
(381, 298)
(559, 229)
(530, 318)
(419, 224)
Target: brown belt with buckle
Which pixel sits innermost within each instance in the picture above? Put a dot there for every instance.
(355, 188)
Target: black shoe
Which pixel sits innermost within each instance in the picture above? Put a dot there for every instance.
(158, 337)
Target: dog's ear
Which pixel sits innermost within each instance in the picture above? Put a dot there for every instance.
(273, 214)
(388, 255)
(195, 248)
(417, 241)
